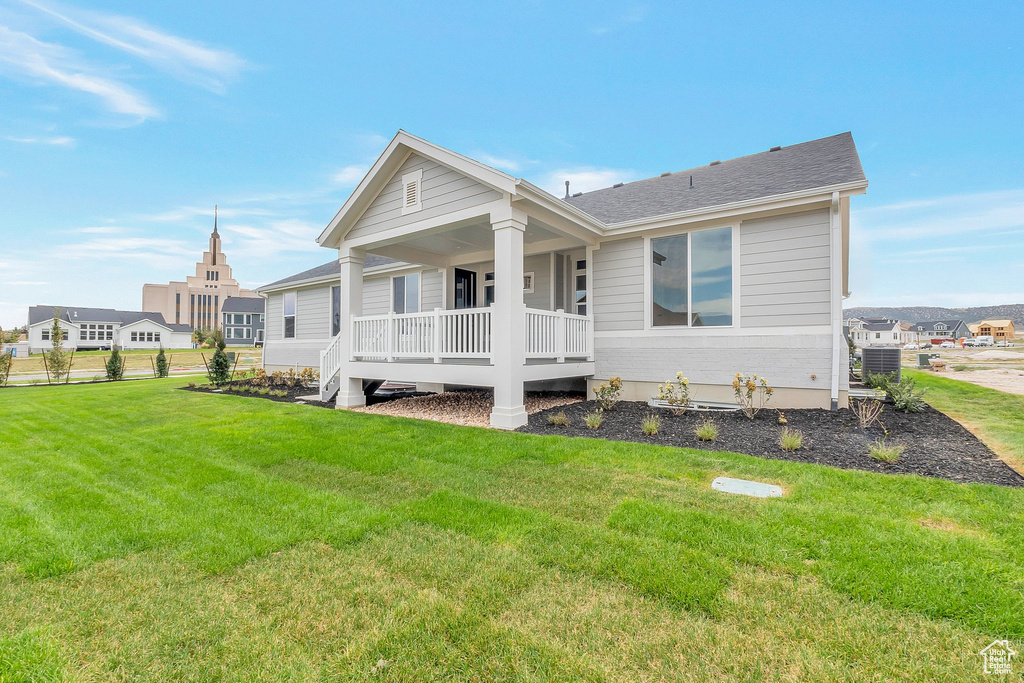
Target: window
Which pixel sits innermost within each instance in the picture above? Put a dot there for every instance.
(580, 298)
(156, 336)
(135, 336)
(46, 334)
(528, 283)
(411, 199)
(405, 293)
(335, 310)
(691, 277)
(878, 335)
(289, 315)
(488, 288)
(262, 317)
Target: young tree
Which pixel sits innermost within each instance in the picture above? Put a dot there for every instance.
(220, 366)
(115, 365)
(6, 360)
(57, 361)
(162, 367)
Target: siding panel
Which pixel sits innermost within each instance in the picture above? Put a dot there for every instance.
(432, 295)
(376, 295)
(313, 313)
(275, 311)
(618, 285)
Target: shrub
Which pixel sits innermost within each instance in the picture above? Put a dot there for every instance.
(220, 366)
(57, 362)
(263, 392)
(651, 425)
(115, 365)
(880, 380)
(607, 393)
(867, 411)
(559, 419)
(706, 430)
(752, 393)
(258, 377)
(6, 361)
(593, 420)
(308, 377)
(163, 368)
(906, 397)
(880, 450)
(676, 394)
(791, 439)
(191, 385)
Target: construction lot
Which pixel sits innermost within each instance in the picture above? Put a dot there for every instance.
(993, 367)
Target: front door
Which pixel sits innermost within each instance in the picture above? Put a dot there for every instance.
(465, 288)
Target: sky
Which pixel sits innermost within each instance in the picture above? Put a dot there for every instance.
(122, 124)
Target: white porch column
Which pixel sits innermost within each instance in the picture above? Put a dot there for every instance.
(508, 334)
(350, 389)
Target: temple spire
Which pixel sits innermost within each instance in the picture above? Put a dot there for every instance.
(214, 219)
(214, 238)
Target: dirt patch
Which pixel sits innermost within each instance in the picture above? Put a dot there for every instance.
(1010, 380)
(468, 408)
(949, 526)
(936, 446)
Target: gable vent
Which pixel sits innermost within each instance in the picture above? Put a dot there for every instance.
(412, 192)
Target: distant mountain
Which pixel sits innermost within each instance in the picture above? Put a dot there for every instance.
(915, 314)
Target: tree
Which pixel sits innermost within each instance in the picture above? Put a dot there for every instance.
(57, 361)
(6, 360)
(115, 365)
(162, 367)
(12, 337)
(220, 366)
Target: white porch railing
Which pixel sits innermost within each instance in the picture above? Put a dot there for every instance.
(557, 334)
(331, 359)
(466, 333)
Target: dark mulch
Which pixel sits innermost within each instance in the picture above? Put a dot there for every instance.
(936, 446)
(295, 392)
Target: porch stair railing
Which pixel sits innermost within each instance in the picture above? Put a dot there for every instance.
(331, 360)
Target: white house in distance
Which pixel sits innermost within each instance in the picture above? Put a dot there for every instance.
(101, 328)
(878, 332)
(453, 273)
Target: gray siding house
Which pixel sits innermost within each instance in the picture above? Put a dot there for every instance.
(449, 272)
(243, 320)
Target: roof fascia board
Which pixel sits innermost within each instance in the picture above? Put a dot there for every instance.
(323, 279)
(147, 320)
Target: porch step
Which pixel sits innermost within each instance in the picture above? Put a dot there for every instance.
(330, 388)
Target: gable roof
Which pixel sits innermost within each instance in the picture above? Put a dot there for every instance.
(818, 163)
(881, 327)
(330, 269)
(77, 315)
(926, 325)
(996, 323)
(243, 304)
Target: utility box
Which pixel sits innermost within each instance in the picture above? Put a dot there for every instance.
(880, 360)
(924, 360)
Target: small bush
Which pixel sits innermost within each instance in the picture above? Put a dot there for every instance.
(163, 369)
(191, 385)
(752, 393)
(707, 430)
(906, 397)
(791, 439)
(263, 391)
(880, 450)
(607, 393)
(651, 425)
(558, 419)
(880, 380)
(867, 411)
(593, 420)
(676, 394)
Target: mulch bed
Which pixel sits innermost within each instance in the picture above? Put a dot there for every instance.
(293, 394)
(936, 446)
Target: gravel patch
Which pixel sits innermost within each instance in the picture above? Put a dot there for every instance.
(471, 407)
(936, 445)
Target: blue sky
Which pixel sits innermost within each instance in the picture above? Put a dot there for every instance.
(123, 123)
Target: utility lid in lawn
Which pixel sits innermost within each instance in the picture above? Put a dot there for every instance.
(746, 488)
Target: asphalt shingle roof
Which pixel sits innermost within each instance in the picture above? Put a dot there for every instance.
(807, 165)
(928, 325)
(79, 314)
(243, 304)
(332, 267)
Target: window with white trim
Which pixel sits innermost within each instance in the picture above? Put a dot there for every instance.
(691, 279)
(412, 191)
(405, 293)
(46, 334)
(289, 315)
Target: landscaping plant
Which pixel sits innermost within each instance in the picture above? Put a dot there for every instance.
(163, 368)
(114, 365)
(651, 425)
(867, 410)
(6, 361)
(593, 420)
(906, 397)
(880, 450)
(607, 393)
(58, 364)
(791, 439)
(558, 419)
(220, 366)
(706, 430)
(752, 393)
(676, 394)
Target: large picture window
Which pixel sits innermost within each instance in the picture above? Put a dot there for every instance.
(406, 293)
(692, 279)
(289, 315)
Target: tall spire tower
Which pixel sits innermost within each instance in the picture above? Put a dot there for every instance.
(214, 237)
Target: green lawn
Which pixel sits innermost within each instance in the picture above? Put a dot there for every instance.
(149, 533)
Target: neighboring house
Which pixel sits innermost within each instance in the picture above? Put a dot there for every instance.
(198, 301)
(101, 328)
(885, 333)
(942, 330)
(997, 329)
(450, 272)
(243, 320)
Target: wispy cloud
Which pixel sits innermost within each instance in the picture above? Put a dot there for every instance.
(60, 141)
(350, 175)
(631, 14)
(982, 212)
(24, 56)
(584, 179)
(272, 239)
(502, 163)
(188, 60)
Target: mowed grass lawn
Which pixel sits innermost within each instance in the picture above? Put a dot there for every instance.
(151, 533)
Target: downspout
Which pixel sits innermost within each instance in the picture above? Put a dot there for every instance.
(836, 243)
